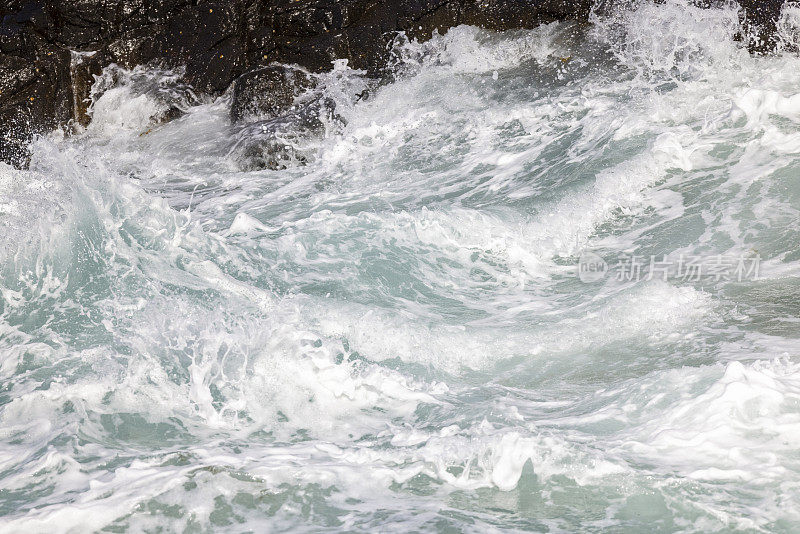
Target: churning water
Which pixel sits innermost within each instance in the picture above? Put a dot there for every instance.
(430, 319)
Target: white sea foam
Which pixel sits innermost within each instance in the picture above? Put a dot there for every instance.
(396, 325)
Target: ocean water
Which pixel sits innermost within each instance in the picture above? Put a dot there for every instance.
(542, 281)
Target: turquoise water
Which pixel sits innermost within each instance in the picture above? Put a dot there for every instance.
(394, 333)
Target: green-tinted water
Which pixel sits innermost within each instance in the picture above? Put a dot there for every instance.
(397, 334)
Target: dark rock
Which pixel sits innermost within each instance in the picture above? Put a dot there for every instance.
(760, 18)
(35, 97)
(217, 42)
(267, 92)
(84, 68)
(271, 144)
(286, 139)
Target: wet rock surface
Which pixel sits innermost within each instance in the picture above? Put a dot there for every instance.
(50, 51)
(268, 92)
(277, 126)
(761, 17)
(276, 143)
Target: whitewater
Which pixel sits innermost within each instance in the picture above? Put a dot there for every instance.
(391, 330)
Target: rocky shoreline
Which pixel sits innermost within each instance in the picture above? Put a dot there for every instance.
(50, 50)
